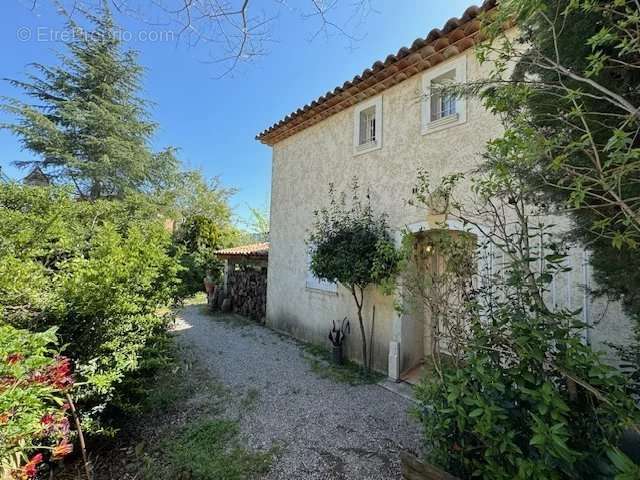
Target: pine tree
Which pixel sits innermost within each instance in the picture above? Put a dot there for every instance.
(87, 125)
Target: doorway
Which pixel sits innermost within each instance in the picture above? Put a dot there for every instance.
(437, 280)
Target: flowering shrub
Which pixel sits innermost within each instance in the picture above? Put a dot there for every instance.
(33, 413)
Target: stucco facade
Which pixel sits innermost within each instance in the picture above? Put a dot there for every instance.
(304, 165)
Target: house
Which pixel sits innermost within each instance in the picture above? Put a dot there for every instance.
(36, 178)
(382, 126)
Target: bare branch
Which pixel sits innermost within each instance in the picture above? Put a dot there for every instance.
(235, 31)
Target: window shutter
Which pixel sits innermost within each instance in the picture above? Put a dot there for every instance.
(363, 128)
(372, 127)
(435, 106)
(367, 126)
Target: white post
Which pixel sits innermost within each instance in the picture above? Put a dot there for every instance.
(394, 361)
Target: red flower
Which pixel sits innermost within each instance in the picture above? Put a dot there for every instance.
(57, 375)
(31, 467)
(14, 358)
(48, 419)
(60, 373)
(48, 422)
(52, 424)
(63, 449)
(4, 418)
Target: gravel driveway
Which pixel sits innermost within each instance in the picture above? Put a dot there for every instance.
(325, 430)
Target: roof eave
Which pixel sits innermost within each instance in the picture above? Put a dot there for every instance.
(456, 36)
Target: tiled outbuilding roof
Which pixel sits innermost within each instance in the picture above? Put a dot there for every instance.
(253, 250)
(457, 35)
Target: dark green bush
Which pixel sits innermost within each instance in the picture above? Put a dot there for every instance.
(512, 409)
(195, 241)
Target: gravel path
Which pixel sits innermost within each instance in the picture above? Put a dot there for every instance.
(326, 430)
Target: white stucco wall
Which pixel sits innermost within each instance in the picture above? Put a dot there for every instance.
(304, 165)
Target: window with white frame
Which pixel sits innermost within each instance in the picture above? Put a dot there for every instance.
(441, 109)
(443, 103)
(368, 126)
(315, 283)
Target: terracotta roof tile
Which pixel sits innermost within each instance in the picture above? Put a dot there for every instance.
(253, 250)
(457, 35)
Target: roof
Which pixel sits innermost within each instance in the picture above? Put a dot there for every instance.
(252, 250)
(457, 35)
(36, 177)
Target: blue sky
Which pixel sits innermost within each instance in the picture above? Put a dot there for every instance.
(213, 121)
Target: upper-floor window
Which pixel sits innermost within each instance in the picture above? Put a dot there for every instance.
(441, 109)
(443, 104)
(368, 126)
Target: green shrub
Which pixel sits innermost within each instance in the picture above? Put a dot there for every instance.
(512, 410)
(152, 387)
(112, 299)
(100, 272)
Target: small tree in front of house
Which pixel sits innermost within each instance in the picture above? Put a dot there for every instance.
(349, 244)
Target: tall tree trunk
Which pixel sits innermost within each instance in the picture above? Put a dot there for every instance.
(363, 335)
(96, 190)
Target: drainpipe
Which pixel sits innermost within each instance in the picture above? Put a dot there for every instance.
(586, 296)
